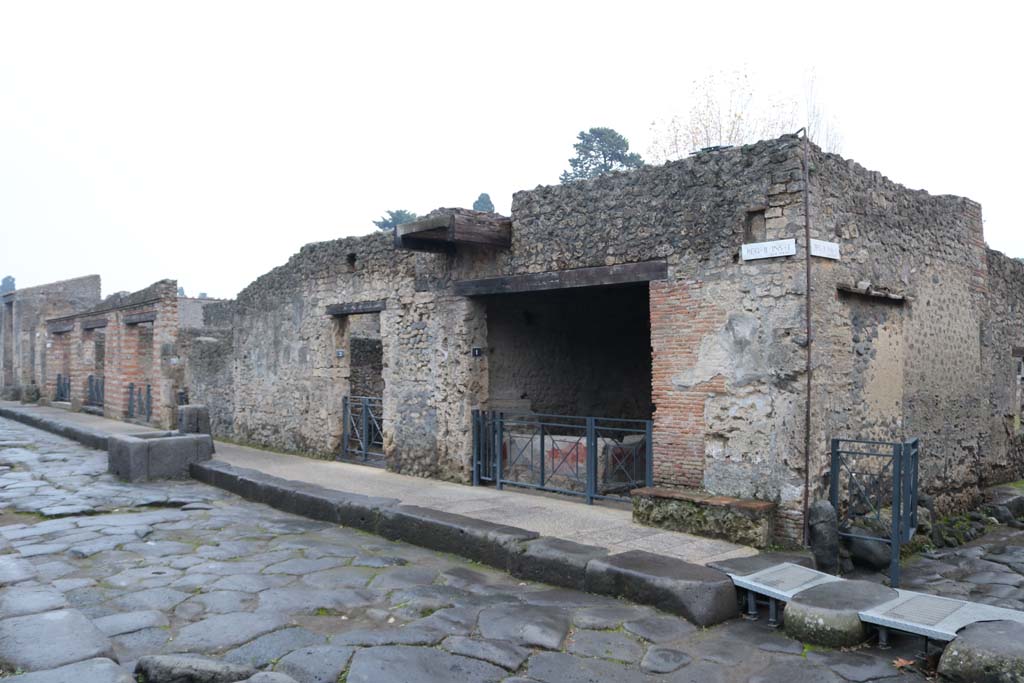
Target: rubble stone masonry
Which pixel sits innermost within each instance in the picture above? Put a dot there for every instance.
(932, 356)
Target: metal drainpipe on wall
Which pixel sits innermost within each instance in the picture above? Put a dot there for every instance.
(809, 330)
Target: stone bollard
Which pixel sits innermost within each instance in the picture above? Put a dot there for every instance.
(194, 420)
(824, 535)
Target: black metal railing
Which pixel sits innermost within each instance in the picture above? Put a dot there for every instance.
(591, 457)
(63, 391)
(362, 438)
(94, 391)
(880, 492)
(140, 403)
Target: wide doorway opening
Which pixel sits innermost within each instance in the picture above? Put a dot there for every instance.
(569, 386)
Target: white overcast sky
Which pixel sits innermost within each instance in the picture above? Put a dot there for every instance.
(208, 141)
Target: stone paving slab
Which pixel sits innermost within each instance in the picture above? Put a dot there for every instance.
(240, 580)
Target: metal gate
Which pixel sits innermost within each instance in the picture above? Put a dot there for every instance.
(362, 438)
(879, 475)
(94, 391)
(591, 457)
(63, 392)
(140, 404)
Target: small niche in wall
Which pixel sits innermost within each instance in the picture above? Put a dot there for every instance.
(754, 229)
(350, 261)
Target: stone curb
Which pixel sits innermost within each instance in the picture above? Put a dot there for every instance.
(520, 552)
(84, 436)
(703, 595)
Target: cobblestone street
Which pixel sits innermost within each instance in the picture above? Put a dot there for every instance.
(97, 574)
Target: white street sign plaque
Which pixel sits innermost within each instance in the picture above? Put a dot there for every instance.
(775, 249)
(825, 249)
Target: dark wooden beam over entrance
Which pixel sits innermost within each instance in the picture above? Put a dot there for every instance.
(139, 318)
(94, 323)
(357, 307)
(443, 231)
(565, 279)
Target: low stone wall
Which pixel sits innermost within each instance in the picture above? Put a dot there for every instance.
(750, 522)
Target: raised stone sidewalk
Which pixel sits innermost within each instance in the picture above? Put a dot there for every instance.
(608, 526)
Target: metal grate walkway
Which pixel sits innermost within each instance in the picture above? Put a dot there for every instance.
(918, 613)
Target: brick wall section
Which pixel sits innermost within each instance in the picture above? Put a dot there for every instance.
(680, 319)
(138, 353)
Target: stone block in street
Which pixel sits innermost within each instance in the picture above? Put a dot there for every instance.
(986, 652)
(68, 636)
(194, 419)
(702, 595)
(827, 614)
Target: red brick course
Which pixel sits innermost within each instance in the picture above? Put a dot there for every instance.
(680, 320)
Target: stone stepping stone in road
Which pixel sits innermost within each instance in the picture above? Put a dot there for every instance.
(982, 649)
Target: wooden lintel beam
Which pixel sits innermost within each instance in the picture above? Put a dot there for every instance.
(137, 318)
(485, 231)
(565, 279)
(94, 323)
(60, 328)
(356, 307)
(424, 224)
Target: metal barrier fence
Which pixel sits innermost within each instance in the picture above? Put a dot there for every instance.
(591, 457)
(362, 437)
(94, 391)
(878, 474)
(140, 404)
(63, 392)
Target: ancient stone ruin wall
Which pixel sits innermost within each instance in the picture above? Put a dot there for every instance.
(903, 358)
(140, 334)
(288, 378)
(206, 368)
(22, 327)
(1002, 339)
(726, 335)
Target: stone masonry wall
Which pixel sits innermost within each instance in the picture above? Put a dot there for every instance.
(1002, 339)
(728, 337)
(140, 334)
(892, 370)
(28, 310)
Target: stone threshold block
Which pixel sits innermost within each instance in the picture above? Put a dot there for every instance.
(748, 522)
(700, 594)
(156, 455)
